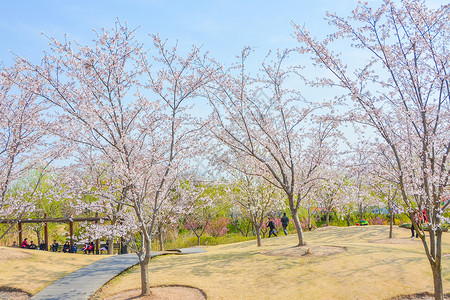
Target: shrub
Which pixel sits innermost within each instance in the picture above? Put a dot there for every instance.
(377, 221)
(218, 227)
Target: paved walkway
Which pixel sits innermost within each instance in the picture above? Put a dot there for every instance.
(83, 283)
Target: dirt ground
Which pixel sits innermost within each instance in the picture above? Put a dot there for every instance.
(162, 293)
(420, 296)
(180, 292)
(12, 253)
(8, 293)
(14, 296)
(158, 293)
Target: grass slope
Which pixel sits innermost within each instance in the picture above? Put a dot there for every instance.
(367, 270)
(32, 270)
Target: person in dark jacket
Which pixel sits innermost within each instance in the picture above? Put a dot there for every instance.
(285, 223)
(42, 246)
(271, 225)
(32, 246)
(66, 247)
(55, 246)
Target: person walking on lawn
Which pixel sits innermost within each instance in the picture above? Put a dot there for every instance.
(285, 223)
(271, 225)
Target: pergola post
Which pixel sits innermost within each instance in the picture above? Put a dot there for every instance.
(97, 243)
(123, 246)
(71, 236)
(46, 220)
(20, 234)
(46, 233)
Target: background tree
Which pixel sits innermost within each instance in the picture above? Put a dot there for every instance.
(98, 100)
(271, 128)
(388, 193)
(22, 140)
(328, 192)
(206, 207)
(257, 199)
(402, 93)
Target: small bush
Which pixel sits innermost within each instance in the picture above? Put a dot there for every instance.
(218, 227)
(377, 221)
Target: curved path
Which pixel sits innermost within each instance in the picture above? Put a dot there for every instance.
(83, 283)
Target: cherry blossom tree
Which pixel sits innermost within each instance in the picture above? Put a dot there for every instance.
(257, 200)
(328, 192)
(388, 192)
(205, 208)
(347, 205)
(129, 110)
(270, 127)
(22, 140)
(402, 93)
(360, 167)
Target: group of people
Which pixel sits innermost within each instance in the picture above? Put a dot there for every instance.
(284, 222)
(420, 217)
(88, 248)
(31, 245)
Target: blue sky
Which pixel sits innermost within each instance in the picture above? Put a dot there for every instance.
(223, 27)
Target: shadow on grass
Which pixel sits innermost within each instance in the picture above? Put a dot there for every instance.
(10, 293)
(9, 289)
(417, 296)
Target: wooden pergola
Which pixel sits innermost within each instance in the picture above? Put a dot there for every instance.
(46, 220)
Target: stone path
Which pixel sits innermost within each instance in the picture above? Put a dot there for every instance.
(83, 283)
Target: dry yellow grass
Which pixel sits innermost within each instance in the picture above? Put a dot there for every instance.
(367, 270)
(32, 270)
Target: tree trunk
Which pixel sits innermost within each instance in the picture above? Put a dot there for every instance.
(38, 235)
(198, 240)
(249, 225)
(240, 230)
(144, 260)
(298, 226)
(161, 241)
(309, 218)
(111, 246)
(145, 281)
(123, 246)
(436, 265)
(327, 214)
(437, 278)
(258, 235)
(391, 222)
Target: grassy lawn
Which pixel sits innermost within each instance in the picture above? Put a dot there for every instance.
(32, 270)
(366, 270)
